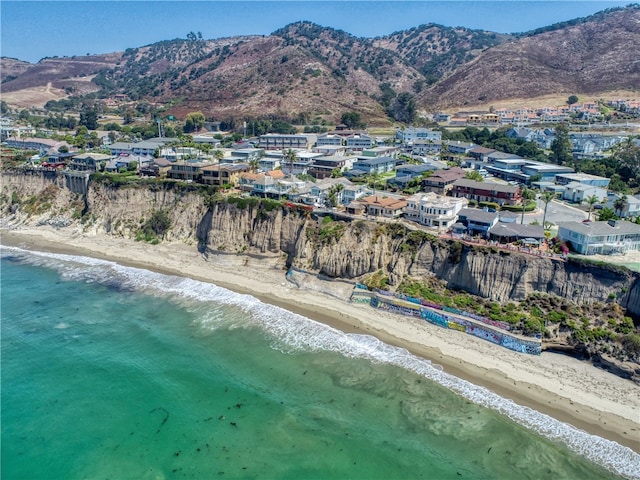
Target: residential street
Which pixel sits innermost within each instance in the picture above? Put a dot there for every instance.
(557, 212)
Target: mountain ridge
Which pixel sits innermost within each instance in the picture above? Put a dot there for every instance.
(310, 71)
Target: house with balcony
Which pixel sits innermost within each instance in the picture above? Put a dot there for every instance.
(407, 172)
(433, 210)
(323, 167)
(409, 135)
(33, 143)
(604, 238)
(460, 148)
(301, 165)
(320, 193)
(223, 174)
(487, 192)
(129, 162)
(244, 155)
(266, 164)
(88, 162)
(441, 181)
(330, 150)
(276, 141)
(381, 151)
(426, 147)
(370, 166)
(146, 147)
(476, 221)
(330, 140)
(246, 180)
(358, 142)
(273, 184)
(481, 154)
(388, 207)
(354, 192)
(186, 171)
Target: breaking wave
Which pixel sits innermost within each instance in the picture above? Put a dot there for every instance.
(290, 332)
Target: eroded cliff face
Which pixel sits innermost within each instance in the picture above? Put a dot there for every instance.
(496, 274)
(336, 249)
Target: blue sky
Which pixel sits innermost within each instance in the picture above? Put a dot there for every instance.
(31, 30)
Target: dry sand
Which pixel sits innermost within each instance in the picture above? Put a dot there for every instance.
(564, 388)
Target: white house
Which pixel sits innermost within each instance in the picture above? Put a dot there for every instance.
(630, 205)
(434, 210)
(410, 134)
(614, 236)
(579, 192)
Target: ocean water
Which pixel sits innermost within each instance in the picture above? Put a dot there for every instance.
(111, 372)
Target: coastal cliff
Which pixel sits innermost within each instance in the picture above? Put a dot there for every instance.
(321, 244)
(339, 249)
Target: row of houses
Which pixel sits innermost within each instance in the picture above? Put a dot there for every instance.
(526, 115)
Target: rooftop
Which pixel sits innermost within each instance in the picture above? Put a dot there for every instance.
(490, 186)
(618, 227)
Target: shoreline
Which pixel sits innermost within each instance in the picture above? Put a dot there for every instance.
(561, 387)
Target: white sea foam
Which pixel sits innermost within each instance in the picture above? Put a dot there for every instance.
(291, 332)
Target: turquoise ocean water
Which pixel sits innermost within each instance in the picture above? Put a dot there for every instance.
(111, 372)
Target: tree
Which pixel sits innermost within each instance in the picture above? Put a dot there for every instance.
(218, 155)
(4, 107)
(572, 99)
(351, 119)
(89, 118)
(373, 178)
(527, 195)
(127, 116)
(474, 175)
(546, 198)
(592, 200)
(403, 108)
(561, 146)
(607, 214)
(193, 122)
(290, 157)
(620, 204)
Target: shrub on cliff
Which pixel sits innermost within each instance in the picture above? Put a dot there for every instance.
(631, 343)
(155, 227)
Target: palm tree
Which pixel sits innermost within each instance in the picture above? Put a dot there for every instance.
(218, 154)
(546, 198)
(592, 200)
(290, 156)
(373, 177)
(620, 204)
(527, 195)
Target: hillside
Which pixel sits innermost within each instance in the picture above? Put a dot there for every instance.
(596, 56)
(306, 70)
(12, 68)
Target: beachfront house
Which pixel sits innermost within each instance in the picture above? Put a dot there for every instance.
(606, 238)
(433, 210)
(389, 207)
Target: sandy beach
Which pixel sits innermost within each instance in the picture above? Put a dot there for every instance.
(569, 390)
